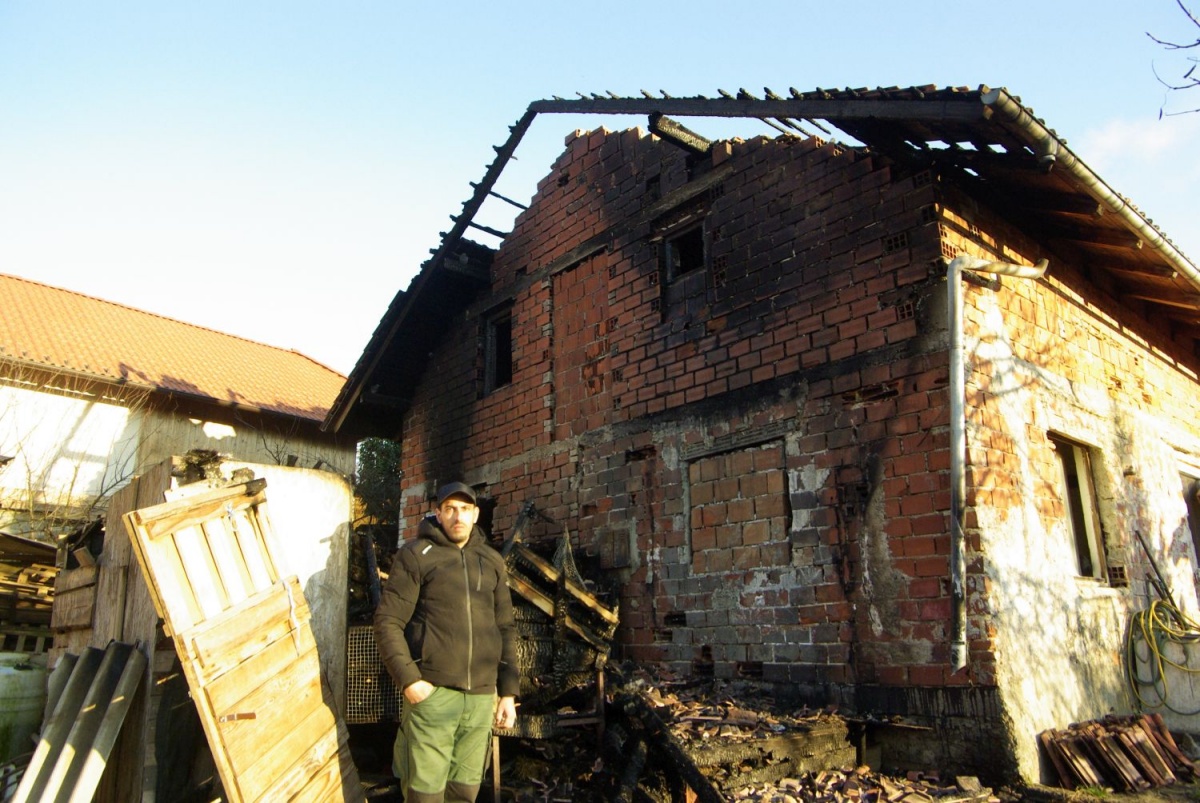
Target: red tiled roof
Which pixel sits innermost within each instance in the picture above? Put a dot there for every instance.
(58, 329)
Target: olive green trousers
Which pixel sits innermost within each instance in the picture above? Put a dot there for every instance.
(441, 746)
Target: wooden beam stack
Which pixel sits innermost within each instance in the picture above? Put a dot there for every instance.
(27, 594)
(1130, 753)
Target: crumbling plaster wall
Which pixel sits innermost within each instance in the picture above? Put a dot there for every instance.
(1042, 359)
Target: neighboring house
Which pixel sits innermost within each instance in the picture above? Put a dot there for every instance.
(778, 392)
(93, 393)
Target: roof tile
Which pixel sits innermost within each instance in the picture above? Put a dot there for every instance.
(63, 330)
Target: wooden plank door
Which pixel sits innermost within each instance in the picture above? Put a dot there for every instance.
(246, 645)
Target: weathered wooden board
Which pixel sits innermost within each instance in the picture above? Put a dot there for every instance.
(74, 608)
(245, 641)
(126, 613)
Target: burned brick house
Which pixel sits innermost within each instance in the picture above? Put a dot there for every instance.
(897, 408)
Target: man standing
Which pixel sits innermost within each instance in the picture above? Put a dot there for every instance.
(445, 631)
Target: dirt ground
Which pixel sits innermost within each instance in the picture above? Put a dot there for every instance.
(1175, 793)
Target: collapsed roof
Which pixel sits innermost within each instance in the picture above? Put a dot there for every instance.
(987, 138)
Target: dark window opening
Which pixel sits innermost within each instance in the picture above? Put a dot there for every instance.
(684, 252)
(498, 352)
(653, 188)
(1191, 497)
(1079, 498)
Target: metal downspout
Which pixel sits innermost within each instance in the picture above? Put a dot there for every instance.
(1054, 152)
(958, 438)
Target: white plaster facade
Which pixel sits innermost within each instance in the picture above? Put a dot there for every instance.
(70, 451)
(1061, 639)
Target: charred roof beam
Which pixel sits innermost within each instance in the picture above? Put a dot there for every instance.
(832, 110)
(374, 398)
(677, 134)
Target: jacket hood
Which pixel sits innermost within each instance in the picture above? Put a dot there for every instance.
(430, 529)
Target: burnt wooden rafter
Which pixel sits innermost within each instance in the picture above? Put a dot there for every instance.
(678, 134)
(802, 108)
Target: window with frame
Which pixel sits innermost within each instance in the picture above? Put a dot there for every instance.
(497, 349)
(683, 263)
(1191, 497)
(1078, 490)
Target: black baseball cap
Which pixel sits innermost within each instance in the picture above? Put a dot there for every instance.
(455, 489)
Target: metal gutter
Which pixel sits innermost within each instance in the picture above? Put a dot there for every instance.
(1054, 153)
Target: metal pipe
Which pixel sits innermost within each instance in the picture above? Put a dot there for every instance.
(1055, 153)
(958, 436)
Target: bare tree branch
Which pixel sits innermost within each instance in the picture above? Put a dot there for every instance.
(1189, 79)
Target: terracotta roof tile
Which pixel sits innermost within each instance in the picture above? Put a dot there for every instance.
(62, 330)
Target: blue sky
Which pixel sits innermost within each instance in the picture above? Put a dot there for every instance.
(279, 170)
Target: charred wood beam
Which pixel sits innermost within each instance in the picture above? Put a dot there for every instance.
(780, 124)
(780, 127)
(488, 229)
(374, 398)
(471, 206)
(505, 198)
(795, 124)
(677, 134)
(655, 732)
(831, 109)
(635, 761)
(469, 268)
(568, 605)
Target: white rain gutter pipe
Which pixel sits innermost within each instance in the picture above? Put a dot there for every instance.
(958, 436)
(1055, 155)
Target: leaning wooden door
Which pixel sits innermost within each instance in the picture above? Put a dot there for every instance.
(244, 639)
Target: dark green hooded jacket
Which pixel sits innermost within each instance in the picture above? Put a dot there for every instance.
(446, 616)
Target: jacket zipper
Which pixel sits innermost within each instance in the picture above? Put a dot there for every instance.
(470, 619)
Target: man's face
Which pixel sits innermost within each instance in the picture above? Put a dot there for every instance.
(457, 517)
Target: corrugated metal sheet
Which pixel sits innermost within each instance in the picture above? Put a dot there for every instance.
(89, 697)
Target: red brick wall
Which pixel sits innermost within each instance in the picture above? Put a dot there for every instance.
(737, 459)
(756, 457)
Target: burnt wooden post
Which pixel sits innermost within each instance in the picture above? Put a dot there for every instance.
(656, 734)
